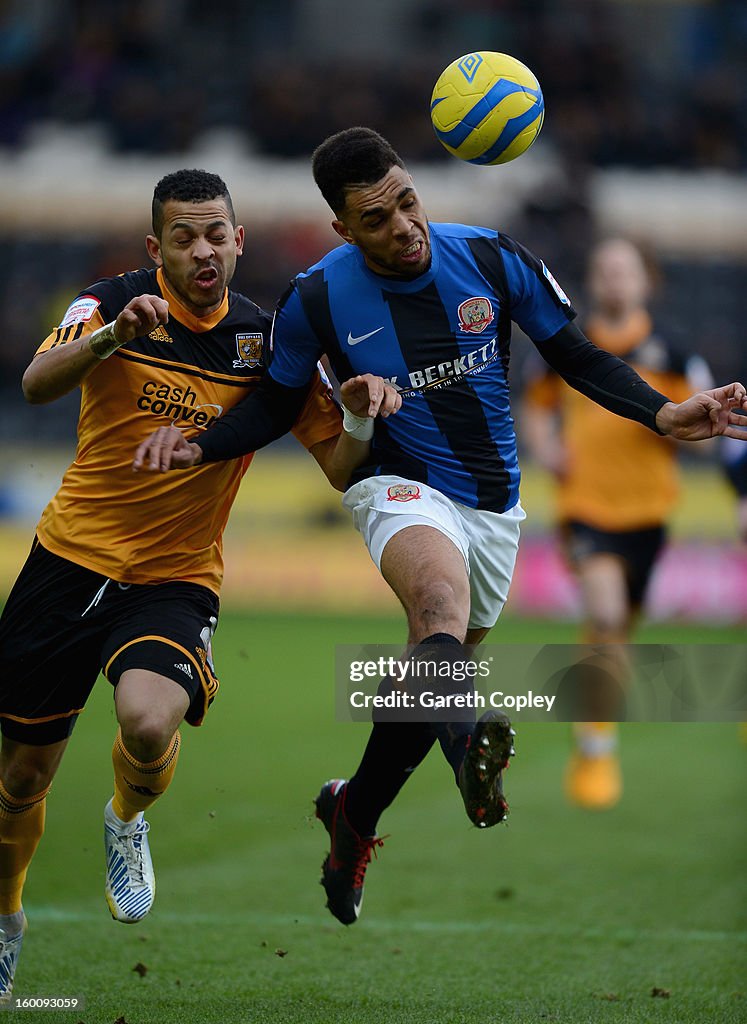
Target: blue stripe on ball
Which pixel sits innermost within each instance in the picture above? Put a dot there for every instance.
(503, 88)
(513, 128)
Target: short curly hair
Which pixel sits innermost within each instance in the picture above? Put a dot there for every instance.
(350, 158)
(188, 186)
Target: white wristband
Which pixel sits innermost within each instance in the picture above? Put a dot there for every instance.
(359, 427)
(104, 341)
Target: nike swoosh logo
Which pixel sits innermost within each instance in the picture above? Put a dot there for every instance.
(356, 341)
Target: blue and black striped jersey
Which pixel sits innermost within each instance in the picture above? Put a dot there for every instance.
(442, 339)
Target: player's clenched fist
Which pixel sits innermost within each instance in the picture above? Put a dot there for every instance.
(140, 316)
(363, 398)
(368, 395)
(166, 448)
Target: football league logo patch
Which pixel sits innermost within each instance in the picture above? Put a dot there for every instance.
(249, 350)
(80, 311)
(555, 286)
(403, 492)
(475, 314)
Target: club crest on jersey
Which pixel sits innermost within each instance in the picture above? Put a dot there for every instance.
(475, 314)
(249, 350)
(403, 492)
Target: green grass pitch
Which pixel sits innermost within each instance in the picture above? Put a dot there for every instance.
(561, 916)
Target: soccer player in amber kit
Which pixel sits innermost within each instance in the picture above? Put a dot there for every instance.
(429, 308)
(616, 482)
(124, 573)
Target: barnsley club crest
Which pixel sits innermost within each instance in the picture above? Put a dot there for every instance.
(403, 492)
(475, 314)
(249, 349)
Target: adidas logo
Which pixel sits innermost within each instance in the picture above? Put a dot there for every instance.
(186, 669)
(160, 334)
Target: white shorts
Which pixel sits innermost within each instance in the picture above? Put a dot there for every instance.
(383, 505)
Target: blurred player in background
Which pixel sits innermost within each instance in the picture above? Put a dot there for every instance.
(125, 571)
(429, 308)
(616, 482)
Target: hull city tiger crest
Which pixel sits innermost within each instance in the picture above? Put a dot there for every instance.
(249, 350)
(475, 314)
(403, 492)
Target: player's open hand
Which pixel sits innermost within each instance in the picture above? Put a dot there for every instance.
(719, 412)
(368, 395)
(166, 448)
(140, 316)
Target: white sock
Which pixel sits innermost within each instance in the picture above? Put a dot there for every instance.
(12, 924)
(595, 742)
(116, 822)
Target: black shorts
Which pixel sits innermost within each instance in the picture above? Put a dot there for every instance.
(638, 550)
(63, 624)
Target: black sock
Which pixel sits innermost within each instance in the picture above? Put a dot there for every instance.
(452, 728)
(395, 749)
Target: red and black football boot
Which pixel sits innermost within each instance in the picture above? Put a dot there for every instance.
(344, 869)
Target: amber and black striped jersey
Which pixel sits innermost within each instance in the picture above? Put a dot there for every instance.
(620, 476)
(148, 527)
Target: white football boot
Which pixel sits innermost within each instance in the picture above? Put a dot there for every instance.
(10, 950)
(130, 880)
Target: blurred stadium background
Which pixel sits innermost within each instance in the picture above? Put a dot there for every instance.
(645, 133)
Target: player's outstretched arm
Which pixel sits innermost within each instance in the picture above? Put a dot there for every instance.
(265, 414)
(56, 372)
(363, 399)
(714, 413)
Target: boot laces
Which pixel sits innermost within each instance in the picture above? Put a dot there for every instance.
(365, 850)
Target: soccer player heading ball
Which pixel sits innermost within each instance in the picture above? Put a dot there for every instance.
(429, 308)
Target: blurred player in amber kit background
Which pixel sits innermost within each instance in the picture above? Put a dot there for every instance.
(616, 482)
